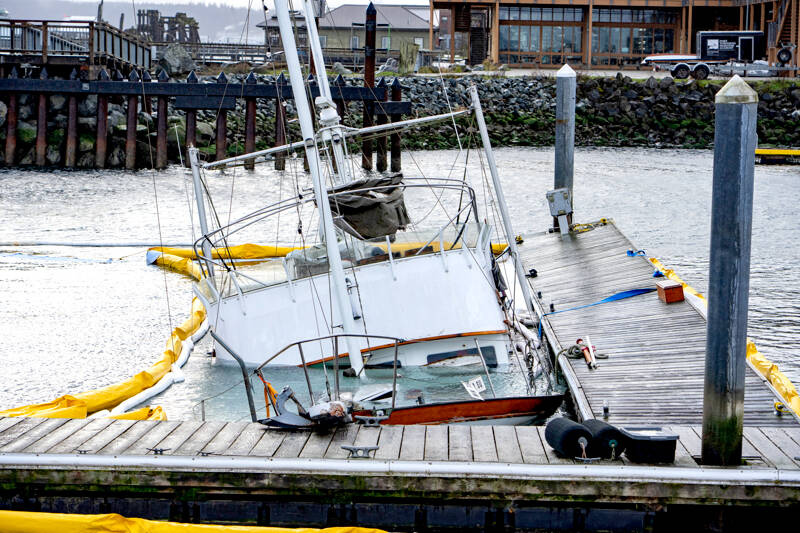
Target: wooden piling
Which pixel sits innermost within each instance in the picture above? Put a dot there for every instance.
(71, 149)
(397, 95)
(565, 132)
(250, 124)
(130, 131)
(222, 125)
(147, 102)
(11, 125)
(191, 121)
(381, 163)
(729, 273)
(41, 125)
(161, 125)
(102, 125)
(369, 81)
(280, 124)
(340, 109)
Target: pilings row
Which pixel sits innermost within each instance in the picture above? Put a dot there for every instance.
(138, 91)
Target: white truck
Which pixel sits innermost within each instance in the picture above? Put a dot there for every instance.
(716, 50)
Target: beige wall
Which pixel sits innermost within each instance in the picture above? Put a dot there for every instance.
(340, 38)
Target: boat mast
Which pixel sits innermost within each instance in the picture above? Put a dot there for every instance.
(329, 117)
(201, 208)
(339, 292)
(501, 200)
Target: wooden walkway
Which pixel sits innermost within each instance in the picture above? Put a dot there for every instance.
(764, 447)
(656, 352)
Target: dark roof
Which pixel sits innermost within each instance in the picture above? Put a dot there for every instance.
(413, 17)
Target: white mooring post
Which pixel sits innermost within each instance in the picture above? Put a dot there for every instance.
(729, 273)
(565, 132)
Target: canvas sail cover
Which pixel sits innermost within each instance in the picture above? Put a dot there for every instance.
(370, 207)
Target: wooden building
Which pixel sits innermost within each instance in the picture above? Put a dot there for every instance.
(601, 33)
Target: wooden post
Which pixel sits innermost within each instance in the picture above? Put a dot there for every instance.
(222, 125)
(452, 35)
(381, 163)
(741, 17)
(729, 273)
(41, 126)
(588, 40)
(147, 102)
(280, 123)
(339, 82)
(161, 125)
(369, 80)
(496, 33)
(397, 95)
(102, 125)
(250, 124)
(11, 124)
(91, 47)
(763, 25)
(689, 37)
(430, 28)
(130, 130)
(191, 122)
(44, 42)
(71, 151)
(750, 23)
(565, 131)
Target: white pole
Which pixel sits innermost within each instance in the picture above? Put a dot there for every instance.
(320, 190)
(201, 207)
(501, 200)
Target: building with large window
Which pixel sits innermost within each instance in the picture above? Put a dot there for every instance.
(601, 33)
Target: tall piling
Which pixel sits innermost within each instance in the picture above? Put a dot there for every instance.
(250, 124)
(147, 102)
(380, 162)
(397, 95)
(11, 124)
(102, 125)
(222, 125)
(191, 121)
(565, 132)
(41, 125)
(729, 273)
(370, 28)
(132, 122)
(280, 123)
(161, 125)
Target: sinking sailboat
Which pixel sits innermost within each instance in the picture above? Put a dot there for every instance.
(376, 289)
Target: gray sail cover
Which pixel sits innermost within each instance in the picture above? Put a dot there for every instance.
(370, 207)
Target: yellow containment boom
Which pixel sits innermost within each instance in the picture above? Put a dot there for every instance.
(28, 522)
(764, 366)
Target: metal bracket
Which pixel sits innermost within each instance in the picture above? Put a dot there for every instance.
(371, 421)
(158, 451)
(359, 452)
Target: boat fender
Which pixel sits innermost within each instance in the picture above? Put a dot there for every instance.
(568, 438)
(608, 442)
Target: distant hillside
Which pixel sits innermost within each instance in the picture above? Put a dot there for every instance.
(218, 22)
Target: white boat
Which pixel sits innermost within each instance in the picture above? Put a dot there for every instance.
(371, 291)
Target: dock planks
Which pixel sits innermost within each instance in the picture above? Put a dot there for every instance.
(656, 352)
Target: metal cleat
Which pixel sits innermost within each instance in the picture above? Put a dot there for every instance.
(371, 421)
(359, 452)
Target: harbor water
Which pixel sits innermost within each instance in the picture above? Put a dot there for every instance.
(80, 309)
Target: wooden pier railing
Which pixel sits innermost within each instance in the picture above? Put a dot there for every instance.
(136, 92)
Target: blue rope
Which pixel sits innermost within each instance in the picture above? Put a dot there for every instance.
(613, 298)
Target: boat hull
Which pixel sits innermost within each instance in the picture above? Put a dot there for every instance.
(496, 411)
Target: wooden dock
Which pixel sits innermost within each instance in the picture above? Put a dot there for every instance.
(421, 477)
(656, 351)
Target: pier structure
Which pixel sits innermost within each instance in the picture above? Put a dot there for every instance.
(139, 89)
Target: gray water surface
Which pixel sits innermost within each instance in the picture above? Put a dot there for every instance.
(74, 318)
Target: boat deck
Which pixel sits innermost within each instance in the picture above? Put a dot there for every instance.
(656, 352)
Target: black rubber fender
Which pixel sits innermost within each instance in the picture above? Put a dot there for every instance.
(562, 434)
(607, 440)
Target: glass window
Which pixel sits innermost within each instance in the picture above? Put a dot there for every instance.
(386, 42)
(595, 39)
(558, 13)
(535, 38)
(547, 13)
(504, 13)
(514, 13)
(513, 38)
(669, 41)
(525, 13)
(419, 41)
(545, 60)
(524, 38)
(625, 41)
(354, 41)
(504, 37)
(658, 41)
(323, 41)
(557, 34)
(602, 40)
(536, 13)
(547, 38)
(616, 15)
(627, 15)
(577, 41)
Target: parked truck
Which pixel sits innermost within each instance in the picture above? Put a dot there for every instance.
(715, 49)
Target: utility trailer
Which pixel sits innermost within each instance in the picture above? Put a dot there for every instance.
(715, 49)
